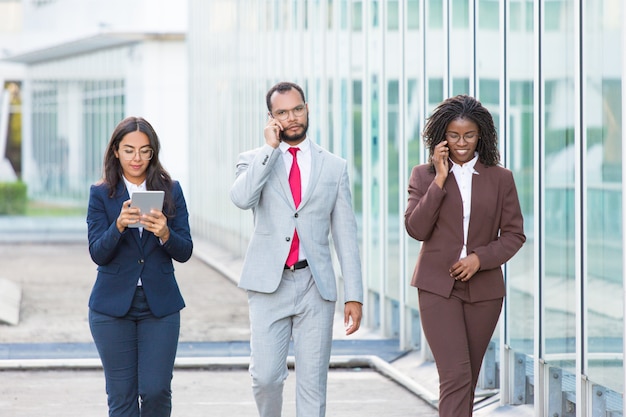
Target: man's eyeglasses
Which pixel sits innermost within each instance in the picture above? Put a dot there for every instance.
(128, 154)
(298, 111)
(452, 137)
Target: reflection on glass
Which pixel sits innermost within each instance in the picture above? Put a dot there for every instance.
(375, 239)
(357, 16)
(413, 158)
(462, 53)
(393, 15)
(520, 270)
(520, 140)
(413, 14)
(518, 137)
(357, 147)
(558, 286)
(603, 179)
(394, 221)
(57, 151)
(434, 11)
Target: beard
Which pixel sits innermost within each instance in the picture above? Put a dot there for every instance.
(298, 136)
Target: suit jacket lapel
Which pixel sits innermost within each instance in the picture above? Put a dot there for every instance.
(121, 196)
(477, 187)
(283, 180)
(455, 205)
(317, 162)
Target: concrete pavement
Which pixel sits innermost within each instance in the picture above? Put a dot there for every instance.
(49, 367)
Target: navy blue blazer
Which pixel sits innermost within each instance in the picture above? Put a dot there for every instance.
(123, 258)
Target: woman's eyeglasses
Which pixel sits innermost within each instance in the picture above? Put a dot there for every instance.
(145, 154)
(452, 137)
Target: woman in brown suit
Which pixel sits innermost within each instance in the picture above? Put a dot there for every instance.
(464, 207)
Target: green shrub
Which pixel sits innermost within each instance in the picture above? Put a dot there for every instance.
(13, 198)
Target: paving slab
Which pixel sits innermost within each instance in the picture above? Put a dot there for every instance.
(49, 366)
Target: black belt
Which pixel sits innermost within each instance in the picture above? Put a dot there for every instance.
(298, 265)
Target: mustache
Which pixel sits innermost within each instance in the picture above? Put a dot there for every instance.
(286, 138)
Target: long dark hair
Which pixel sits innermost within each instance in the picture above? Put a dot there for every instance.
(468, 108)
(157, 178)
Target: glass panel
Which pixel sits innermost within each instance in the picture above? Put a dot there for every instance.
(44, 126)
(460, 86)
(393, 15)
(521, 15)
(343, 14)
(435, 14)
(488, 15)
(413, 14)
(558, 283)
(330, 132)
(357, 147)
(435, 60)
(413, 65)
(520, 289)
(461, 47)
(394, 221)
(603, 173)
(329, 15)
(375, 11)
(357, 16)
(413, 158)
(519, 138)
(69, 150)
(375, 231)
(460, 14)
(13, 150)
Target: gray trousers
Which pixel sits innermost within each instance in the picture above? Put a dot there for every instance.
(294, 311)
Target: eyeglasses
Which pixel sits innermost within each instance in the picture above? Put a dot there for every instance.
(452, 137)
(128, 154)
(298, 111)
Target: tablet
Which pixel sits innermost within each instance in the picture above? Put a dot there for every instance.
(146, 201)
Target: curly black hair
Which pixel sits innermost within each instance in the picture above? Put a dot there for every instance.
(468, 108)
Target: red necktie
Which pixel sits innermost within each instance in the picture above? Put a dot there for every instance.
(296, 191)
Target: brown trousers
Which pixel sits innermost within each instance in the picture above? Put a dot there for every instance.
(458, 332)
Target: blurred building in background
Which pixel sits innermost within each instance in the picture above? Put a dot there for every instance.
(551, 71)
(85, 65)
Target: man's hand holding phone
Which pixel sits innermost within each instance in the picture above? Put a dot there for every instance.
(272, 132)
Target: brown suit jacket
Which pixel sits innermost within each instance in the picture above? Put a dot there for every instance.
(435, 217)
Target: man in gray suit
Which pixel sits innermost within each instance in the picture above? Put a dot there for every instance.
(298, 197)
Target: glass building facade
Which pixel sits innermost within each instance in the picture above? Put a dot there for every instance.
(551, 73)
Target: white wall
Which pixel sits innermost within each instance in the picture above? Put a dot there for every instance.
(156, 77)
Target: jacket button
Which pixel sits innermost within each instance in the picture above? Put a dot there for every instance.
(140, 261)
(287, 239)
(295, 215)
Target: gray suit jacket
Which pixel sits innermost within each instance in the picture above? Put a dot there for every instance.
(262, 185)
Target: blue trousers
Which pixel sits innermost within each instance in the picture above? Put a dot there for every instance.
(137, 353)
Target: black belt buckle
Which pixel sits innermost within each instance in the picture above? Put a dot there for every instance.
(298, 265)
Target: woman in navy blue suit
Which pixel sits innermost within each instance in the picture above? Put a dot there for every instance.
(134, 307)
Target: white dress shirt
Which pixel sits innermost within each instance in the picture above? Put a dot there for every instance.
(463, 174)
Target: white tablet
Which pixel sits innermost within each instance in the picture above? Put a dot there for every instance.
(146, 201)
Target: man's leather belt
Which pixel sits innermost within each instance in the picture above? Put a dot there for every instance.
(298, 265)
